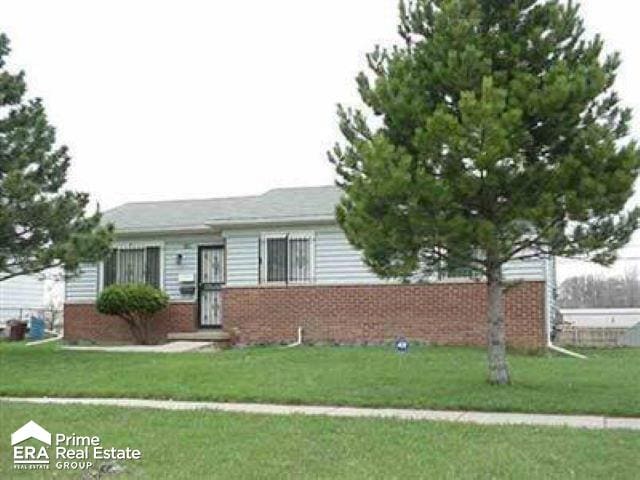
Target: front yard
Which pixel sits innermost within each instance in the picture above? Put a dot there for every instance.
(215, 445)
(427, 377)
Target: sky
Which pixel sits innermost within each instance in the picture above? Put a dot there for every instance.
(193, 99)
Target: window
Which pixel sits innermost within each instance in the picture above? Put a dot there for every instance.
(460, 272)
(133, 265)
(276, 259)
(444, 272)
(287, 258)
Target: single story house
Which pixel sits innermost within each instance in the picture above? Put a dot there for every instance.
(259, 268)
(599, 327)
(601, 317)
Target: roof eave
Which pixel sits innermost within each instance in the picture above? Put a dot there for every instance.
(163, 230)
(217, 225)
(271, 221)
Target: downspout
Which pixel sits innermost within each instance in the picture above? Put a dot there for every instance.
(548, 273)
(564, 351)
(58, 336)
(299, 341)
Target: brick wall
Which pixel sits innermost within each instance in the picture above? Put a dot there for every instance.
(449, 314)
(83, 322)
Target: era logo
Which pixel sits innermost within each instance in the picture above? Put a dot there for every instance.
(27, 454)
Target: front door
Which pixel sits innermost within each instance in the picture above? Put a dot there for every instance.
(211, 276)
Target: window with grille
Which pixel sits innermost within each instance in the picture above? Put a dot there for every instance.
(287, 258)
(132, 265)
(445, 271)
(461, 272)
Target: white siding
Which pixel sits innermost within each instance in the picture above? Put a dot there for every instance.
(22, 292)
(83, 286)
(188, 247)
(336, 261)
(242, 257)
(532, 269)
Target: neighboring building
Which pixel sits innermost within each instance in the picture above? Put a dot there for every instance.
(21, 296)
(601, 317)
(599, 327)
(260, 267)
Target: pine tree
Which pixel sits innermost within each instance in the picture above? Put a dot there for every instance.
(41, 225)
(497, 135)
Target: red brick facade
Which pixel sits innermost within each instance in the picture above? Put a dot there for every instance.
(83, 322)
(448, 314)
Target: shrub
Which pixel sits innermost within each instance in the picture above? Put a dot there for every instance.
(136, 304)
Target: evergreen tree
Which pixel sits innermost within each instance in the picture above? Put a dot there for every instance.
(497, 136)
(41, 225)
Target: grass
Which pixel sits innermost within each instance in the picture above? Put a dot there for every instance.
(427, 377)
(215, 445)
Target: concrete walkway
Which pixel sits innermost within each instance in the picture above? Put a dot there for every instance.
(484, 418)
(171, 347)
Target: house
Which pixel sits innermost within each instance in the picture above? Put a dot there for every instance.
(261, 267)
(601, 317)
(599, 327)
(21, 297)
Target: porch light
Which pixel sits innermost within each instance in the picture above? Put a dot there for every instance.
(179, 259)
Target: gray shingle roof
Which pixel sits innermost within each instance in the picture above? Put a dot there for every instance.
(278, 205)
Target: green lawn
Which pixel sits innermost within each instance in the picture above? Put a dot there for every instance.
(443, 378)
(214, 445)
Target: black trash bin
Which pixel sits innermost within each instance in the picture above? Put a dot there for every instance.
(17, 330)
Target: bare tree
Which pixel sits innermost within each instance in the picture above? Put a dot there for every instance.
(594, 291)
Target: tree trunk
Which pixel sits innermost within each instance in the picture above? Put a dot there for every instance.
(145, 327)
(497, 345)
(135, 328)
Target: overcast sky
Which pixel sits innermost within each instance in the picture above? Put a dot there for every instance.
(188, 99)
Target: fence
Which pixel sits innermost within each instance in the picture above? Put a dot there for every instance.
(591, 336)
(53, 317)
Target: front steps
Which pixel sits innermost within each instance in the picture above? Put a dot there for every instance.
(219, 338)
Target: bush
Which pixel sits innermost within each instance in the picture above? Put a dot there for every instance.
(136, 304)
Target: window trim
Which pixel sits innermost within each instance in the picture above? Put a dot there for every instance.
(294, 234)
(134, 245)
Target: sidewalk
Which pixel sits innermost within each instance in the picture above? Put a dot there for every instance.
(485, 418)
(171, 347)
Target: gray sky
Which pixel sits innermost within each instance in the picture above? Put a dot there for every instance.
(187, 99)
